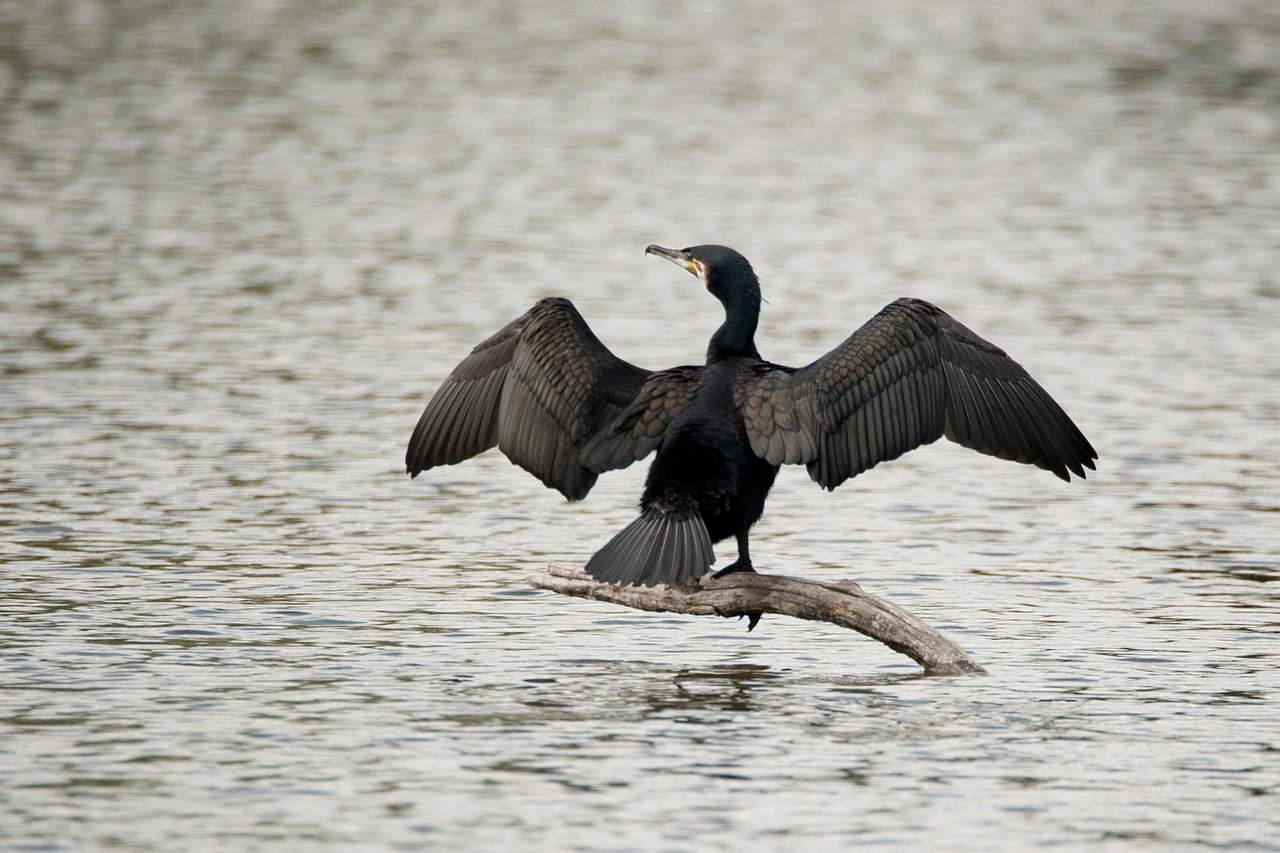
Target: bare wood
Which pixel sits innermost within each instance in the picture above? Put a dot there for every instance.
(845, 604)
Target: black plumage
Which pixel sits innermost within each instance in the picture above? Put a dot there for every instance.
(547, 393)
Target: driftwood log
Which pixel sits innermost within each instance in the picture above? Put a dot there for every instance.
(843, 603)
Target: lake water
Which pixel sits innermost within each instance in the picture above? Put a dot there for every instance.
(241, 243)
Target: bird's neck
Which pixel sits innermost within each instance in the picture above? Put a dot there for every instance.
(736, 336)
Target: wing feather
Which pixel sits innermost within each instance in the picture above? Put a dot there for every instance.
(642, 425)
(909, 376)
(543, 390)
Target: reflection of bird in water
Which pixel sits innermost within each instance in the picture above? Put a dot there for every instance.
(564, 408)
(715, 688)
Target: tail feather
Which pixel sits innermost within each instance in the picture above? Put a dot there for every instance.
(657, 548)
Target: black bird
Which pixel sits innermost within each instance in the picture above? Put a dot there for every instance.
(564, 408)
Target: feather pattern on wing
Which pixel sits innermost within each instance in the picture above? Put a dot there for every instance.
(910, 375)
(642, 425)
(543, 390)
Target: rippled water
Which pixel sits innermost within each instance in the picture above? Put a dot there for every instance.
(240, 243)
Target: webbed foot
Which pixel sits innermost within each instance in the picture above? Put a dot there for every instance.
(734, 568)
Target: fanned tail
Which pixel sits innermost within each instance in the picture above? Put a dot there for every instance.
(657, 548)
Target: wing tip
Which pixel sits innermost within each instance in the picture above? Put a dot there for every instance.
(1074, 466)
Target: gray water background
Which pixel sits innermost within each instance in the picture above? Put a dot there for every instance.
(241, 243)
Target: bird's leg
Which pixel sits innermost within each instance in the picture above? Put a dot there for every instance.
(742, 564)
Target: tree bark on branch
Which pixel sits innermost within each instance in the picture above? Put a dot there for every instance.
(844, 603)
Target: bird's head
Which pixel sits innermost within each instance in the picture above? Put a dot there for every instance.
(725, 273)
(729, 278)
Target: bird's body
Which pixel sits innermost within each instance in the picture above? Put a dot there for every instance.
(706, 457)
(560, 405)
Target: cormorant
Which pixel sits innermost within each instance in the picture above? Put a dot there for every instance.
(560, 405)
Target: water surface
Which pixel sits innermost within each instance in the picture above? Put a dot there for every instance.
(240, 243)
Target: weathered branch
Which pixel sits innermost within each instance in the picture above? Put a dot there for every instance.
(844, 604)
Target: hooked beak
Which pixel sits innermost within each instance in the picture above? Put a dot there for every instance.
(676, 256)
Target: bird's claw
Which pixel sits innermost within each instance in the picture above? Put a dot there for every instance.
(733, 569)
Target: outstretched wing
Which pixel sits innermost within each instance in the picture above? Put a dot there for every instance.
(543, 389)
(909, 376)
